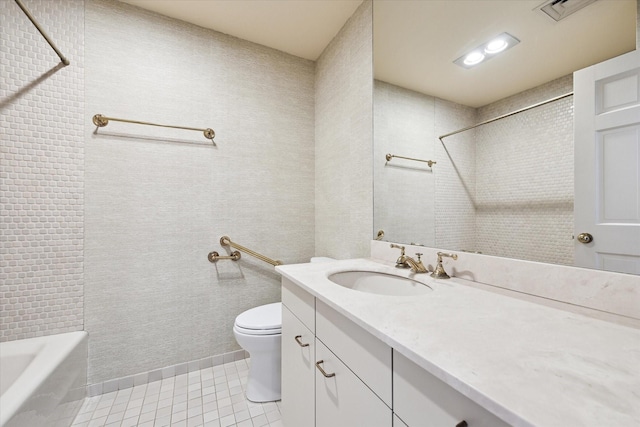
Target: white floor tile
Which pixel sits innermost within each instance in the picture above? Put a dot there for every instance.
(211, 397)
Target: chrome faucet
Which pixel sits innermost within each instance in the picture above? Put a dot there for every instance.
(439, 272)
(405, 261)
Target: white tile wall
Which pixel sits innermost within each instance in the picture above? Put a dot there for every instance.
(158, 200)
(42, 177)
(455, 177)
(524, 177)
(343, 135)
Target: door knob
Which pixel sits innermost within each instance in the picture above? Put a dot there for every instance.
(585, 238)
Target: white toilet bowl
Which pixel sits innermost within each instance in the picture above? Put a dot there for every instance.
(259, 331)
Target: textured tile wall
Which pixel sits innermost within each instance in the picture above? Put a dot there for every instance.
(524, 177)
(343, 137)
(455, 177)
(42, 175)
(404, 125)
(158, 200)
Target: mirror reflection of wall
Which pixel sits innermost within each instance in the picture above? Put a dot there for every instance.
(504, 188)
(404, 120)
(512, 177)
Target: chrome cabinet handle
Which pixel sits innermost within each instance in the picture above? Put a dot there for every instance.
(299, 341)
(322, 370)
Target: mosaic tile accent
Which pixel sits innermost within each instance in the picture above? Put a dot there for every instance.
(455, 177)
(42, 178)
(524, 177)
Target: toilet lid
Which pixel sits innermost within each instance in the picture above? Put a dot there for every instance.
(265, 317)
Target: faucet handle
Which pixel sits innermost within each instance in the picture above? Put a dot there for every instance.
(439, 272)
(394, 246)
(401, 262)
(446, 254)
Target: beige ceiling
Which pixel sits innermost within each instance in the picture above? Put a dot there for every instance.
(415, 41)
(300, 27)
(419, 52)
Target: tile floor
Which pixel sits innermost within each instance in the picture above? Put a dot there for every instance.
(208, 397)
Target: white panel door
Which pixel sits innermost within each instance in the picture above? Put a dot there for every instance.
(607, 164)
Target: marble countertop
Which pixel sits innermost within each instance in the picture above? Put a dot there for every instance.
(529, 364)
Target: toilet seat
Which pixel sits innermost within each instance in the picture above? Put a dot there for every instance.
(263, 320)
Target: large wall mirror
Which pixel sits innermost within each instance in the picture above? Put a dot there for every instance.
(505, 188)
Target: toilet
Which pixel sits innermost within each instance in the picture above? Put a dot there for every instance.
(259, 332)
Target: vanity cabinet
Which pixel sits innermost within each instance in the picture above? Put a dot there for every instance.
(359, 380)
(298, 371)
(422, 400)
(298, 356)
(342, 399)
(331, 393)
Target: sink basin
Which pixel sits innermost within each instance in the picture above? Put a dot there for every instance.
(379, 283)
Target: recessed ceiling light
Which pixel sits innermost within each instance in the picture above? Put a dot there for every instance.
(492, 47)
(496, 46)
(473, 58)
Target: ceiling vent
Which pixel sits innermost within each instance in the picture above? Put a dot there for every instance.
(560, 9)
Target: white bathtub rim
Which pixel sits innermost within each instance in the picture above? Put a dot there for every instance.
(54, 349)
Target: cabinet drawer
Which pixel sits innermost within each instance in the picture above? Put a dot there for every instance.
(343, 400)
(420, 399)
(300, 302)
(367, 356)
(298, 372)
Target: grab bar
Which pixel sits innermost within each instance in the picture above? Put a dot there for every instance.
(64, 60)
(226, 241)
(101, 121)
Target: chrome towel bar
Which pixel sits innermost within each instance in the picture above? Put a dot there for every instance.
(101, 121)
(428, 162)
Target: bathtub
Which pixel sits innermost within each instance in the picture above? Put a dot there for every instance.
(43, 380)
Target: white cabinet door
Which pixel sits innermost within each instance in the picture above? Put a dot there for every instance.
(367, 356)
(342, 400)
(298, 372)
(422, 400)
(607, 164)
